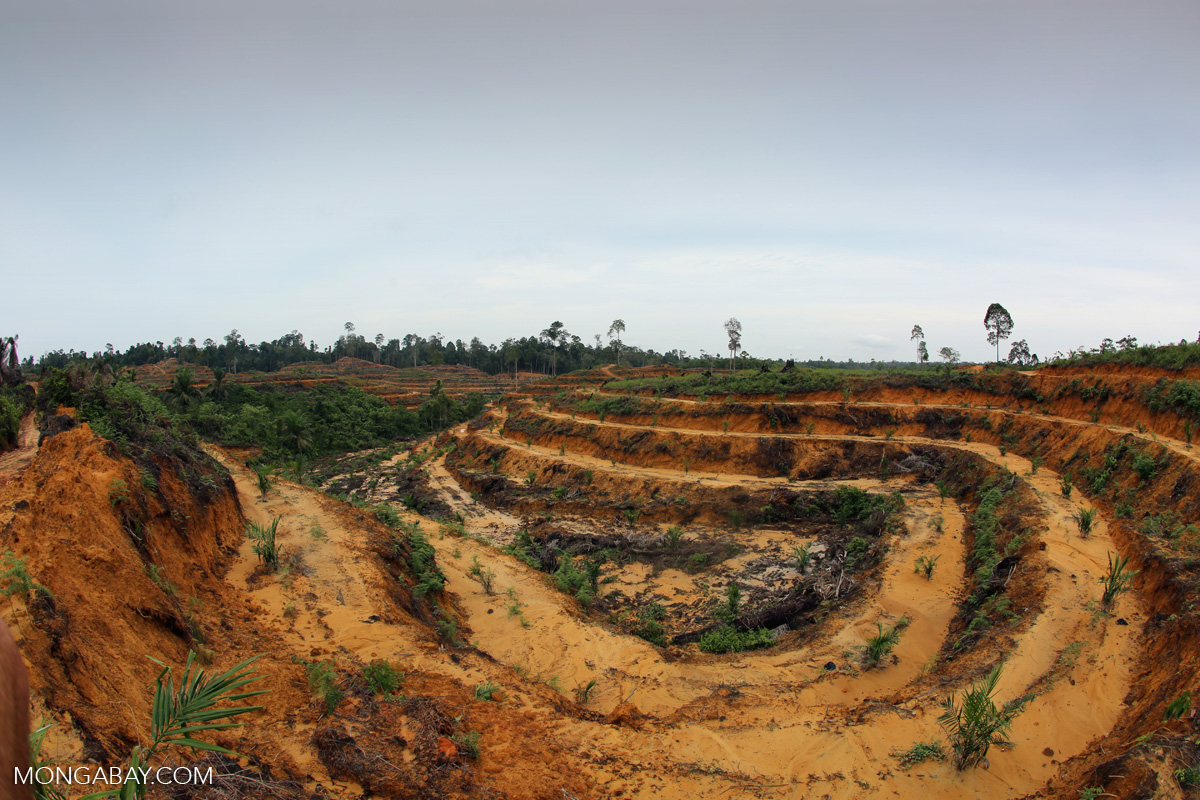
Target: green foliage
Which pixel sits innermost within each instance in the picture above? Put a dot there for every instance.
(925, 565)
(15, 401)
(852, 504)
(47, 790)
(922, 752)
(323, 681)
(179, 712)
(423, 563)
(974, 724)
(1178, 707)
(15, 579)
(1085, 518)
(583, 695)
(800, 557)
(531, 477)
(673, 536)
(1117, 581)
(484, 576)
(382, 677)
(262, 477)
(265, 546)
(726, 639)
(1167, 525)
(1145, 465)
(880, 645)
(468, 743)
(1065, 485)
(581, 584)
(118, 492)
(485, 690)
(728, 611)
(1188, 776)
(160, 580)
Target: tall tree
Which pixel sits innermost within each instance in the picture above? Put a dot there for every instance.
(233, 343)
(614, 332)
(554, 336)
(733, 329)
(951, 356)
(999, 325)
(410, 340)
(1019, 354)
(918, 336)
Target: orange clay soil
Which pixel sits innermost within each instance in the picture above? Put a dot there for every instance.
(801, 718)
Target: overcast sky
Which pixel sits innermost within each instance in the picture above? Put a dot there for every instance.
(828, 172)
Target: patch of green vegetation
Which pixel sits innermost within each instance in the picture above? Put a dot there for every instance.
(382, 677)
(922, 752)
(726, 639)
(423, 563)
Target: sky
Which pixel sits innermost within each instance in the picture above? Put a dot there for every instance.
(830, 173)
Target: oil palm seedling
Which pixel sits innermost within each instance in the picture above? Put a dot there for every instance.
(880, 645)
(974, 723)
(1085, 518)
(1117, 581)
(179, 712)
(265, 545)
(926, 565)
(262, 477)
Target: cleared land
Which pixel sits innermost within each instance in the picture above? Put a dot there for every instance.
(575, 548)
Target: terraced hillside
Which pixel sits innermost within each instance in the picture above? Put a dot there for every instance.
(408, 386)
(665, 585)
(977, 519)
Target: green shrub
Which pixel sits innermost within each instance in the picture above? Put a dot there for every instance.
(323, 681)
(728, 640)
(382, 677)
(922, 752)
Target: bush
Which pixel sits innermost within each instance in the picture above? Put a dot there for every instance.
(382, 677)
(322, 681)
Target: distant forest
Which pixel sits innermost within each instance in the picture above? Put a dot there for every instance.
(553, 351)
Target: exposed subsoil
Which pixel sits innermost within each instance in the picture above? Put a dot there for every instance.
(673, 501)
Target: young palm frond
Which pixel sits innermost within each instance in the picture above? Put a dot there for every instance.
(976, 724)
(178, 713)
(1085, 519)
(1117, 581)
(265, 547)
(262, 476)
(880, 645)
